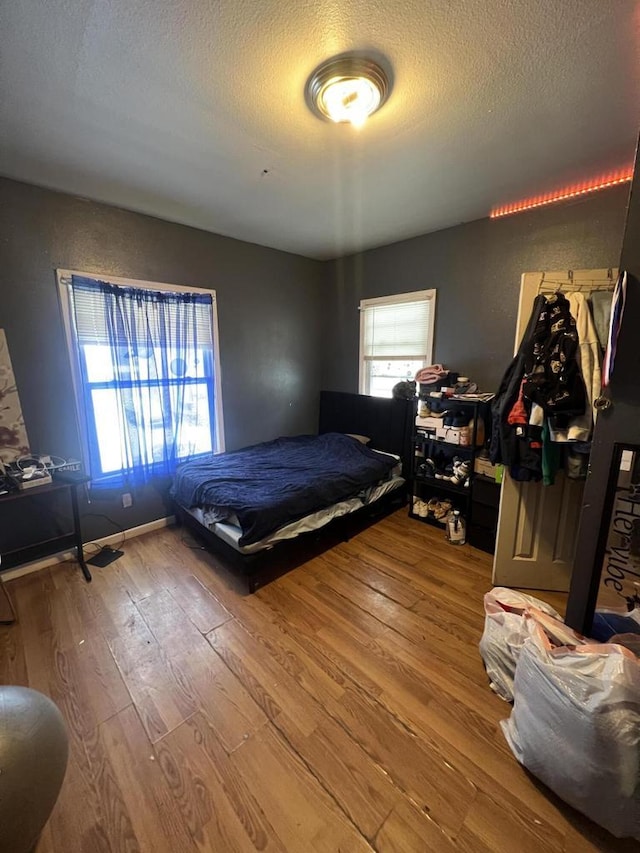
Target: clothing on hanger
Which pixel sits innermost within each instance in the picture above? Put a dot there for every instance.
(543, 386)
(600, 301)
(511, 444)
(617, 311)
(552, 375)
(588, 361)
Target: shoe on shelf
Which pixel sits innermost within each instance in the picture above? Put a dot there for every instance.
(461, 471)
(427, 468)
(456, 419)
(419, 508)
(465, 467)
(442, 510)
(433, 505)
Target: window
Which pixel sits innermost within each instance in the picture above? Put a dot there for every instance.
(396, 339)
(146, 373)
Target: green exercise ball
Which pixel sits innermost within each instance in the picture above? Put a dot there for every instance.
(33, 760)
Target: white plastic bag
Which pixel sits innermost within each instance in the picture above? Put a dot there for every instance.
(505, 630)
(575, 725)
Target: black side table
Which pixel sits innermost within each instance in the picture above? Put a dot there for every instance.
(63, 481)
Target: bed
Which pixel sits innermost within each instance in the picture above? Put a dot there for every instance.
(260, 506)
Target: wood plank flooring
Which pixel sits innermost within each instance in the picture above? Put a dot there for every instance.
(343, 707)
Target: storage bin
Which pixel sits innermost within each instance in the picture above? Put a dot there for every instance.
(483, 466)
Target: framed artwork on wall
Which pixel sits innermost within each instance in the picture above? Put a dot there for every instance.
(13, 434)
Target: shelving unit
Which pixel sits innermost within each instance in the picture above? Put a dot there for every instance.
(425, 446)
(477, 506)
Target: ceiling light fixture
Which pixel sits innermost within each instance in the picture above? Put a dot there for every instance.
(602, 183)
(348, 88)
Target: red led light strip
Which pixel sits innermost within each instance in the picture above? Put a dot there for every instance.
(621, 177)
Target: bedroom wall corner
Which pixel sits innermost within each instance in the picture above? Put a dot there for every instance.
(476, 269)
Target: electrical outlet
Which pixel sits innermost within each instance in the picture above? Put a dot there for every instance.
(127, 500)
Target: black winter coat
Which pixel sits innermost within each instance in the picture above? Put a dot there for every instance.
(552, 375)
(505, 444)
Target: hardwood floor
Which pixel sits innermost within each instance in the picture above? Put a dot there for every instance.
(344, 707)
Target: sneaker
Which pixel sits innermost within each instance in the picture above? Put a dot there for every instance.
(461, 471)
(432, 506)
(420, 508)
(442, 510)
(456, 419)
(427, 468)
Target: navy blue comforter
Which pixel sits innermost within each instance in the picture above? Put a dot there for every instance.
(271, 484)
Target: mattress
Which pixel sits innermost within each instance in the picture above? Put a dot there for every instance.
(231, 533)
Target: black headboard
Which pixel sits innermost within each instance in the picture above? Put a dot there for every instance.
(388, 422)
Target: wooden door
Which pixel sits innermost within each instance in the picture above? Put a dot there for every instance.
(537, 525)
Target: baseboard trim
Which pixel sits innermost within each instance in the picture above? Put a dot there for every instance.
(64, 556)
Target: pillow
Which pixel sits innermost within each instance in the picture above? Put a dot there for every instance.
(363, 439)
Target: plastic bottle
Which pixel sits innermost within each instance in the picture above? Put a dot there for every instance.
(456, 528)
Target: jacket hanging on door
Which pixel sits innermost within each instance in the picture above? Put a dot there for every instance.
(510, 443)
(552, 376)
(542, 382)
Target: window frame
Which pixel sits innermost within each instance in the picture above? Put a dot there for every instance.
(83, 412)
(396, 299)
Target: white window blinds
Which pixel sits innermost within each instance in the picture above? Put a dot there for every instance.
(91, 318)
(400, 329)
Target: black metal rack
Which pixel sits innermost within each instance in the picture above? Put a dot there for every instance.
(425, 446)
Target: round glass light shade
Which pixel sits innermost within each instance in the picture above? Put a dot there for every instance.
(349, 99)
(347, 89)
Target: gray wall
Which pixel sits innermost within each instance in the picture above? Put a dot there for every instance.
(268, 313)
(476, 269)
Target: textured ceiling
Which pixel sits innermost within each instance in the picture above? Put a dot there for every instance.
(194, 111)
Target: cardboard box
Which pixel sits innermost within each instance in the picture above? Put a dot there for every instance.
(482, 465)
(428, 423)
(423, 433)
(454, 435)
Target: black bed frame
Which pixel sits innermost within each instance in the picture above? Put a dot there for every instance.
(388, 422)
